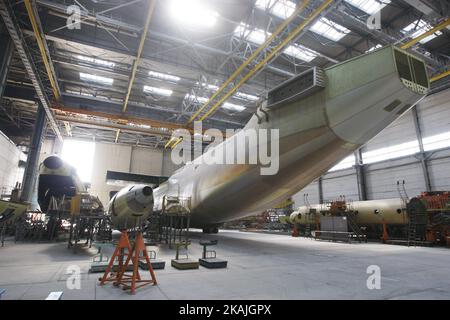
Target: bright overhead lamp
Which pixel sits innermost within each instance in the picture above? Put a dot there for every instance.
(158, 91)
(163, 76)
(233, 107)
(95, 78)
(369, 6)
(193, 12)
(419, 27)
(329, 29)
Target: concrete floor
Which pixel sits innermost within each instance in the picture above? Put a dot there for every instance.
(260, 266)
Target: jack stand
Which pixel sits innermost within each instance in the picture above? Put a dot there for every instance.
(133, 255)
(209, 258)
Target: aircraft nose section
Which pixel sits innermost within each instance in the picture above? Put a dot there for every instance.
(144, 195)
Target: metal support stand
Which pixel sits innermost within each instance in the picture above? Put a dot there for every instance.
(133, 255)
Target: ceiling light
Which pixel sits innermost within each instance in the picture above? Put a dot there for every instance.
(95, 78)
(163, 76)
(96, 61)
(193, 12)
(246, 96)
(158, 91)
(233, 107)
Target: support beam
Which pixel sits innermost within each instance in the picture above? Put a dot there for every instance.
(15, 32)
(360, 176)
(439, 27)
(320, 190)
(421, 156)
(137, 60)
(5, 61)
(29, 177)
(440, 76)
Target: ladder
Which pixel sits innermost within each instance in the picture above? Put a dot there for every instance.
(412, 228)
(351, 221)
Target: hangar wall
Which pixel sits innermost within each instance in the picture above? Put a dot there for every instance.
(10, 173)
(395, 155)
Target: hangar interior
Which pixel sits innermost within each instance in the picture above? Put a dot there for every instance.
(104, 85)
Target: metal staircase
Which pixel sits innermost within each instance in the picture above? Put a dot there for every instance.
(351, 221)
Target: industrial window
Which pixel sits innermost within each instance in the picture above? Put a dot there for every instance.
(392, 152)
(438, 141)
(344, 164)
(79, 154)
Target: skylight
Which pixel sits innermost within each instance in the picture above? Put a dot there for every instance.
(280, 8)
(391, 152)
(374, 48)
(246, 96)
(95, 78)
(158, 91)
(163, 76)
(301, 52)
(209, 86)
(369, 6)
(329, 29)
(233, 107)
(259, 36)
(193, 12)
(96, 61)
(419, 27)
(194, 98)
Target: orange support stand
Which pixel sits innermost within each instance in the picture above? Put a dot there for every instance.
(133, 255)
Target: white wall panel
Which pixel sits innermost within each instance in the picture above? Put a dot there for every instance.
(10, 173)
(381, 179)
(434, 114)
(345, 184)
(400, 131)
(146, 161)
(439, 170)
(313, 195)
(108, 157)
